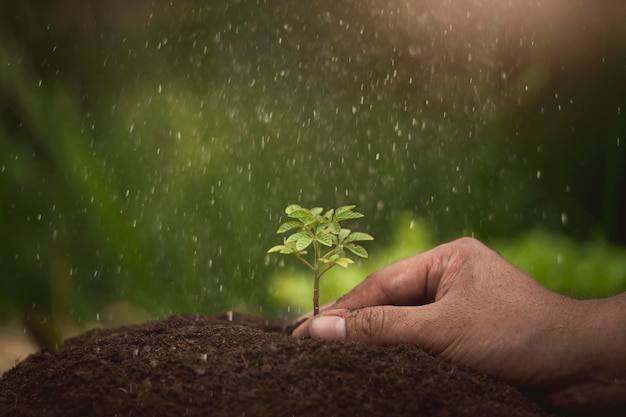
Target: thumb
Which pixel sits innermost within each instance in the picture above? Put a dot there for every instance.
(380, 324)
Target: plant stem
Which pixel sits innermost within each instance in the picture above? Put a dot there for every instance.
(316, 288)
(316, 294)
(316, 280)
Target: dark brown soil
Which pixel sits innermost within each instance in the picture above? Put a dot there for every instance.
(194, 365)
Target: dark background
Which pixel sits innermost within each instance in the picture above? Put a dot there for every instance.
(147, 150)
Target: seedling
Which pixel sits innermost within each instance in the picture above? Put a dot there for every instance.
(325, 235)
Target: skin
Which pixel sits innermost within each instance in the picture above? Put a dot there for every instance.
(466, 304)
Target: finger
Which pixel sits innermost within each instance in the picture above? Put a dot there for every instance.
(411, 281)
(379, 325)
(386, 286)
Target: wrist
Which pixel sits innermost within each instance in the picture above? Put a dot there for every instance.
(595, 375)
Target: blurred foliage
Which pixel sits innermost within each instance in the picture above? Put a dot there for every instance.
(147, 149)
(578, 269)
(588, 269)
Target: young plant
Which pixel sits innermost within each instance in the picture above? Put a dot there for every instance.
(324, 234)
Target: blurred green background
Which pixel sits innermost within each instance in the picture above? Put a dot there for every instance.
(148, 149)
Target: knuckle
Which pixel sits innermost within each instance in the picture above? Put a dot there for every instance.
(467, 244)
(368, 324)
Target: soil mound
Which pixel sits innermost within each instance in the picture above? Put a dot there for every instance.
(191, 365)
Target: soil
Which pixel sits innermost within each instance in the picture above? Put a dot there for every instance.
(192, 365)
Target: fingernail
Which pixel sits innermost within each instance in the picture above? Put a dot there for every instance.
(328, 327)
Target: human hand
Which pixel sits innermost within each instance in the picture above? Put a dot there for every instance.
(465, 303)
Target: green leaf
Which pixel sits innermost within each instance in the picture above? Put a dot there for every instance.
(300, 214)
(344, 208)
(284, 249)
(321, 229)
(347, 215)
(286, 227)
(300, 235)
(334, 228)
(333, 258)
(324, 239)
(330, 260)
(277, 248)
(292, 208)
(357, 237)
(309, 222)
(303, 243)
(316, 210)
(301, 239)
(344, 262)
(357, 250)
(329, 214)
(343, 234)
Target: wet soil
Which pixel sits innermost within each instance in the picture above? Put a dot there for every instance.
(192, 365)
